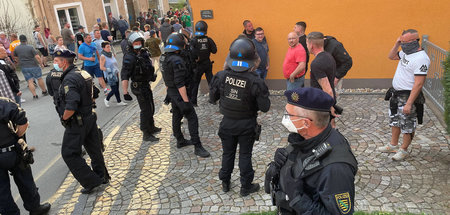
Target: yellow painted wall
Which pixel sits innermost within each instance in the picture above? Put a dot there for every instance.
(367, 28)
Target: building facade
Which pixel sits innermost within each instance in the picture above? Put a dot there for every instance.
(55, 13)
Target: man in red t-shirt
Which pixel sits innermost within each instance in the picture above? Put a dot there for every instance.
(294, 63)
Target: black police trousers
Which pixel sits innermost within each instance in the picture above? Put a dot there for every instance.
(230, 139)
(145, 99)
(25, 184)
(182, 109)
(202, 67)
(86, 135)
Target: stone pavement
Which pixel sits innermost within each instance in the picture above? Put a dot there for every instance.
(158, 178)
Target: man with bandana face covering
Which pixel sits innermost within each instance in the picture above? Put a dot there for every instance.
(406, 101)
(315, 173)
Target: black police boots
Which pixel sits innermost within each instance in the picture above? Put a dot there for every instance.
(42, 209)
(253, 188)
(155, 130)
(226, 186)
(149, 137)
(183, 143)
(200, 151)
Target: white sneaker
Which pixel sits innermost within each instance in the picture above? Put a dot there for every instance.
(22, 100)
(388, 148)
(400, 155)
(122, 104)
(106, 102)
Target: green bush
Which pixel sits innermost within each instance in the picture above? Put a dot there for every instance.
(446, 84)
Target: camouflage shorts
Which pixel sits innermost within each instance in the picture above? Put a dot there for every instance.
(407, 123)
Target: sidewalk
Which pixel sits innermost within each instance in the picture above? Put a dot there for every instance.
(158, 178)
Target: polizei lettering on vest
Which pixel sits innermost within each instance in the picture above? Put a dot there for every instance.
(235, 82)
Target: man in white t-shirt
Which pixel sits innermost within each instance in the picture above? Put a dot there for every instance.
(407, 83)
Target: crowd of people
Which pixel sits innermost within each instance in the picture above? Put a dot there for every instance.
(313, 174)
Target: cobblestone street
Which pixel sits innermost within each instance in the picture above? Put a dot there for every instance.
(158, 178)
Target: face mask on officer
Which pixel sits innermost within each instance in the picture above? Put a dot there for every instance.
(411, 47)
(289, 124)
(57, 66)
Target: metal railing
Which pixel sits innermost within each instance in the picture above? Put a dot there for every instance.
(433, 87)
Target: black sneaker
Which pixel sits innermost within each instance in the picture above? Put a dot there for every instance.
(181, 144)
(45, 93)
(246, 191)
(90, 190)
(155, 130)
(42, 209)
(150, 137)
(200, 151)
(226, 186)
(35, 97)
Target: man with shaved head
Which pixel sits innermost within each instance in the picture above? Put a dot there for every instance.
(294, 63)
(406, 101)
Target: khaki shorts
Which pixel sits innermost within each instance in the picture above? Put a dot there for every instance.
(406, 123)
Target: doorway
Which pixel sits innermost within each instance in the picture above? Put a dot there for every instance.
(71, 13)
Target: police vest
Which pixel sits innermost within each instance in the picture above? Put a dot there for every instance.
(86, 92)
(236, 100)
(6, 135)
(295, 169)
(142, 70)
(168, 61)
(53, 83)
(201, 45)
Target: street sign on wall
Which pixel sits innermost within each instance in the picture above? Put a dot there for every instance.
(207, 14)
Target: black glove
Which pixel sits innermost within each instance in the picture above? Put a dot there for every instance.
(167, 100)
(280, 157)
(65, 123)
(127, 97)
(270, 173)
(185, 107)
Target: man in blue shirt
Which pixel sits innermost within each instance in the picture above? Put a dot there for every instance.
(263, 51)
(89, 54)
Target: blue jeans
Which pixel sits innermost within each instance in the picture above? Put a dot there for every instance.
(71, 47)
(298, 82)
(18, 99)
(262, 73)
(33, 72)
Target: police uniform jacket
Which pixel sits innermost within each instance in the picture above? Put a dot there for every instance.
(343, 60)
(327, 185)
(175, 73)
(76, 91)
(138, 67)
(202, 47)
(241, 94)
(10, 111)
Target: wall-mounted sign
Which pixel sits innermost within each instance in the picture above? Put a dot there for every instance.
(207, 14)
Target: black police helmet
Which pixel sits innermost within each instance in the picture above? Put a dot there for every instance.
(201, 27)
(242, 55)
(175, 42)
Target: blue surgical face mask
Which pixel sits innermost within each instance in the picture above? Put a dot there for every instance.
(137, 46)
(57, 68)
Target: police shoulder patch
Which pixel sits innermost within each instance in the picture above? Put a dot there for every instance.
(343, 202)
(66, 89)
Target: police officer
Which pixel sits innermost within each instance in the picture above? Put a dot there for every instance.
(177, 78)
(202, 46)
(242, 93)
(137, 65)
(343, 60)
(75, 98)
(315, 173)
(11, 113)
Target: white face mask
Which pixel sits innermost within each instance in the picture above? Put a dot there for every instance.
(289, 125)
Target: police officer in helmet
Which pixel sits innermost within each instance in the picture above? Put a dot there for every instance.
(177, 78)
(138, 67)
(75, 99)
(202, 46)
(315, 173)
(242, 94)
(13, 125)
